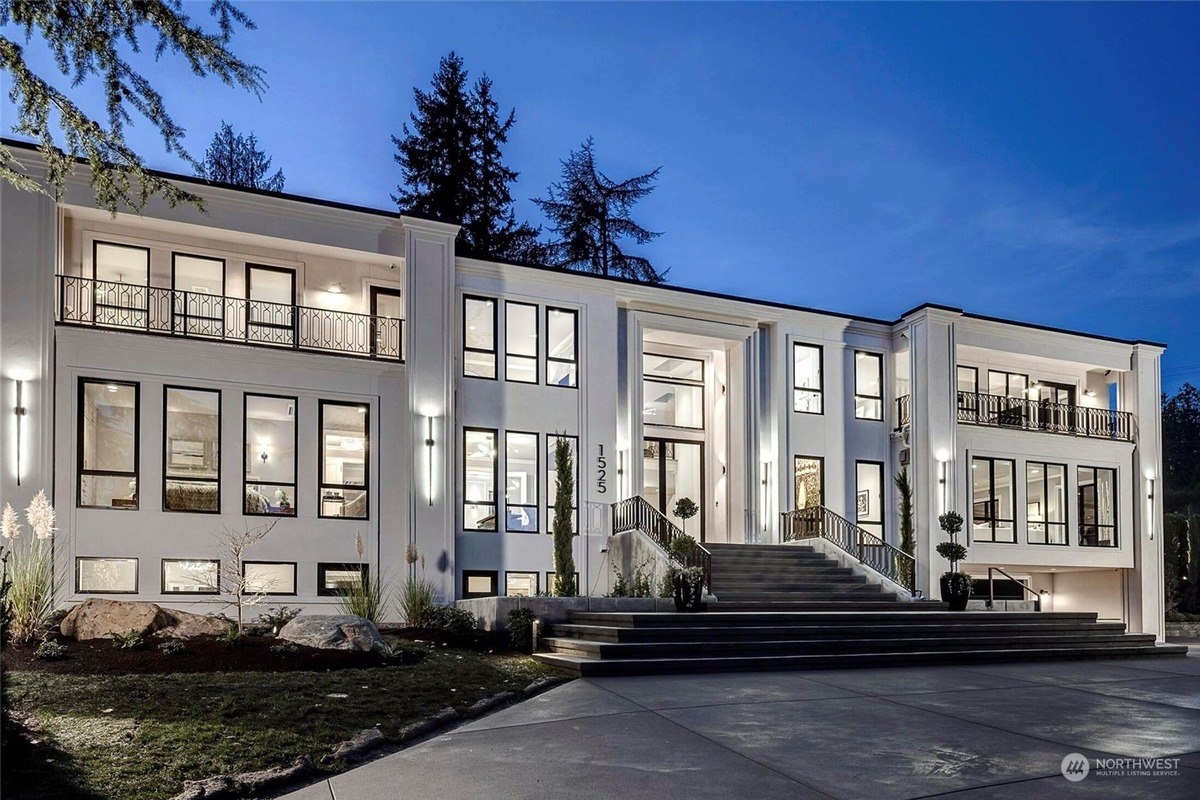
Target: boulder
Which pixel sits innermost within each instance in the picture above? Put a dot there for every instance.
(96, 618)
(332, 632)
(185, 625)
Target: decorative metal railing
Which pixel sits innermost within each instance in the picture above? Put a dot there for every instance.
(903, 412)
(171, 312)
(819, 522)
(977, 408)
(635, 514)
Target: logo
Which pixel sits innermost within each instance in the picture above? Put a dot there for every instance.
(1075, 767)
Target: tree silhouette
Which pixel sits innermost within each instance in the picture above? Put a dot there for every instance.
(235, 159)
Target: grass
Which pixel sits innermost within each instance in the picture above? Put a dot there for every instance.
(141, 736)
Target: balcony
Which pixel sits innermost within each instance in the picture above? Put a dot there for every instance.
(197, 315)
(999, 411)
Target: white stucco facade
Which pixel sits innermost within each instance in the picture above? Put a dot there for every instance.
(675, 393)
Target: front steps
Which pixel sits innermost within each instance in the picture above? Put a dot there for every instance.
(790, 607)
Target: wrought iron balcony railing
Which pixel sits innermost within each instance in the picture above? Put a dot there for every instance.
(977, 408)
(171, 312)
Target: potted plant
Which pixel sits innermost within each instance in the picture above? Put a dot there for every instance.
(956, 586)
(687, 582)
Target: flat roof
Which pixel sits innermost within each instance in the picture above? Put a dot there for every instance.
(298, 198)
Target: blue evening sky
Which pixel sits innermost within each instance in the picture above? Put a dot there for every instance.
(1033, 161)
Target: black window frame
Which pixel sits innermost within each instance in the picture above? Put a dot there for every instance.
(295, 456)
(537, 581)
(1008, 376)
(796, 459)
(550, 582)
(493, 575)
(1114, 527)
(162, 588)
(137, 574)
(552, 486)
(992, 502)
(537, 494)
(663, 442)
(1063, 526)
(537, 344)
(574, 359)
(324, 567)
(882, 520)
(322, 484)
(391, 291)
(167, 387)
(143, 309)
(858, 395)
(185, 315)
(80, 472)
(700, 384)
(292, 326)
(495, 502)
(494, 352)
(295, 578)
(819, 392)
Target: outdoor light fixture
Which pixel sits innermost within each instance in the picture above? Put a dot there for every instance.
(336, 287)
(429, 453)
(263, 455)
(943, 458)
(1150, 499)
(19, 410)
(1089, 392)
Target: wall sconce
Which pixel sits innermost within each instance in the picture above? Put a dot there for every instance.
(20, 411)
(620, 462)
(1089, 392)
(263, 455)
(1150, 499)
(336, 287)
(429, 457)
(943, 458)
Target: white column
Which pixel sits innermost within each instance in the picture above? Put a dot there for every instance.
(1140, 395)
(431, 373)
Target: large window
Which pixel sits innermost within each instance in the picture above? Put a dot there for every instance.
(808, 386)
(1097, 487)
(562, 355)
(1046, 503)
(810, 481)
(479, 479)
(993, 498)
(672, 391)
(122, 274)
(868, 385)
(868, 496)
(521, 584)
(671, 471)
(345, 461)
(1008, 384)
(199, 301)
(520, 342)
(269, 577)
(270, 304)
(479, 337)
(269, 460)
(192, 450)
(109, 444)
(521, 482)
(552, 480)
(106, 575)
(190, 576)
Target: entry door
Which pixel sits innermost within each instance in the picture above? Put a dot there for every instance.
(1056, 403)
(386, 312)
(672, 470)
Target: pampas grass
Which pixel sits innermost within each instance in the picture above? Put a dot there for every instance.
(30, 598)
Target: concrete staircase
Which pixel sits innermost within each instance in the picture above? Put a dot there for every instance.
(791, 607)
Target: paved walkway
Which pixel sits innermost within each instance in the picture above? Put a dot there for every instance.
(968, 732)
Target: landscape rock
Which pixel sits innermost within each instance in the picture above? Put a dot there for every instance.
(489, 703)
(359, 745)
(185, 625)
(424, 726)
(97, 618)
(332, 632)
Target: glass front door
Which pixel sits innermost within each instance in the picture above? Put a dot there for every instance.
(673, 470)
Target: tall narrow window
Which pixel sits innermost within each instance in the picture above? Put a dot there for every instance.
(521, 482)
(993, 500)
(269, 459)
(672, 391)
(108, 444)
(1046, 503)
(968, 393)
(868, 496)
(479, 479)
(122, 289)
(192, 450)
(520, 342)
(562, 357)
(808, 385)
(270, 304)
(810, 482)
(479, 337)
(552, 480)
(387, 314)
(198, 306)
(1097, 488)
(868, 385)
(345, 459)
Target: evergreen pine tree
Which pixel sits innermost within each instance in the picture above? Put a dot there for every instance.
(564, 529)
(236, 159)
(590, 213)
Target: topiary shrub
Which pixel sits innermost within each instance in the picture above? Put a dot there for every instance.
(682, 547)
(520, 629)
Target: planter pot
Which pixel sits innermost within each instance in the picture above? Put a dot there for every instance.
(687, 594)
(957, 600)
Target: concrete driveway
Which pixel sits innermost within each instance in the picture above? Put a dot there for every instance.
(968, 732)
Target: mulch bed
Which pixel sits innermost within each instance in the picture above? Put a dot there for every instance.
(250, 654)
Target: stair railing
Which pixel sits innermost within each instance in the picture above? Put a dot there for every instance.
(635, 514)
(991, 601)
(818, 522)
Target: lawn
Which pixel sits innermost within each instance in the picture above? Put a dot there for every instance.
(136, 736)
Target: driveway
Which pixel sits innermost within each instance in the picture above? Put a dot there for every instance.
(967, 732)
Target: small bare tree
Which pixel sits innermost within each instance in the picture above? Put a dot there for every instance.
(232, 584)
